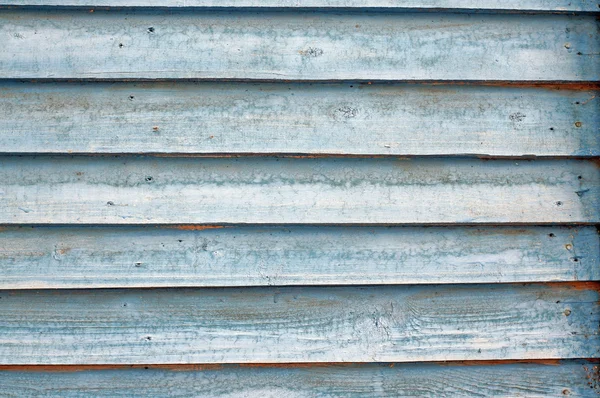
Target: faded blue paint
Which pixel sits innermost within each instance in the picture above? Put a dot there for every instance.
(341, 42)
(352, 118)
(95, 257)
(303, 45)
(572, 378)
(304, 324)
(262, 190)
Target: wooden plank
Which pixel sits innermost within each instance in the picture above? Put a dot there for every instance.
(304, 45)
(307, 324)
(470, 5)
(146, 190)
(93, 257)
(571, 378)
(212, 118)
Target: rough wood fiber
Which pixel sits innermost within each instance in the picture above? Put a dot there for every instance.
(34, 258)
(470, 5)
(571, 378)
(209, 118)
(146, 190)
(305, 45)
(308, 324)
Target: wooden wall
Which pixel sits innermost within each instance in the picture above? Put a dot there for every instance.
(266, 198)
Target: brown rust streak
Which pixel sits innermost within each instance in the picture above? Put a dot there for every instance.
(550, 84)
(82, 368)
(298, 365)
(575, 285)
(552, 362)
(500, 231)
(194, 227)
(596, 161)
(575, 86)
(329, 155)
(303, 365)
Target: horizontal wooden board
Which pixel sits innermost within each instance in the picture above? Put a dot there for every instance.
(471, 5)
(570, 378)
(258, 190)
(360, 119)
(307, 324)
(93, 257)
(304, 45)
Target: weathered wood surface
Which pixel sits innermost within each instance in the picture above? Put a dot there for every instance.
(212, 118)
(305, 45)
(469, 5)
(95, 257)
(150, 190)
(565, 378)
(303, 324)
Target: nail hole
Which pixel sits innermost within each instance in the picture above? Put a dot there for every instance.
(150, 29)
(131, 97)
(145, 367)
(559, 203)
(149, 179)
(110, 203)
(551, 235)
(138, 264)
(120, 45)
(576, 102)
(148, 338)
(580, 177)
(551, 128)
(125, 305)
(575, 260)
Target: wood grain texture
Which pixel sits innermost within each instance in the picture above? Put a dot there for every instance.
(572, 378)
(147, 190)
(470, 5)
(303, 45)
(308, 324)
(93, 257)
(359, 119)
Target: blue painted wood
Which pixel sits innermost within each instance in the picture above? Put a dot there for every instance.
(358, 119)
(279, 325)
(155, 190)
(470, 5)
(570, 378)
(84, 257)
(299, 324)
(304, 45)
